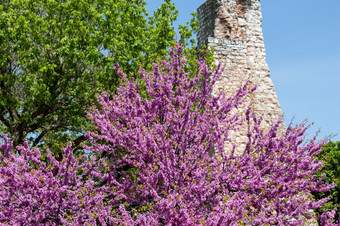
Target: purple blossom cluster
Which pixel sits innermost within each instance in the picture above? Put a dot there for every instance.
(158, 157)
(35, 191)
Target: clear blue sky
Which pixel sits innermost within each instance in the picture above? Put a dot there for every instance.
(302, 39)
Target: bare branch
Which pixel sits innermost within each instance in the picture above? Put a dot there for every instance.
(78, 141)
(2, 118)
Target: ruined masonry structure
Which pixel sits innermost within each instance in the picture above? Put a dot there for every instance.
(233, 29)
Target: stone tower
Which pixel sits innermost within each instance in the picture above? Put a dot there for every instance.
(233, 29)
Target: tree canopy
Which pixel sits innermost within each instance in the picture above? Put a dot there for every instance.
(55, 56)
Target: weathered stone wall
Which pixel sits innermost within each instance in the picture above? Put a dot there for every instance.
(233, 29)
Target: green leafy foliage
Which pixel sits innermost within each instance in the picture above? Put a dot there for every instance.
(331, 158)
(55, 56)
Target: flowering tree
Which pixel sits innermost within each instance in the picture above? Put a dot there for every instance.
(158, 158)
(33, 191)
(164, 143)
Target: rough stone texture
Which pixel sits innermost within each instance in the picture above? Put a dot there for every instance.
(233, 29)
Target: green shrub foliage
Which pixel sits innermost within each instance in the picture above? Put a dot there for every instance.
(331, 168)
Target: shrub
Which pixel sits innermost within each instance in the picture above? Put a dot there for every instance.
(331, 156)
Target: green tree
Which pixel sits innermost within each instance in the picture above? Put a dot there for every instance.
(331, 158)
(55, 56)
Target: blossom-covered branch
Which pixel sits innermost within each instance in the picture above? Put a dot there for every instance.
(158, 157)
